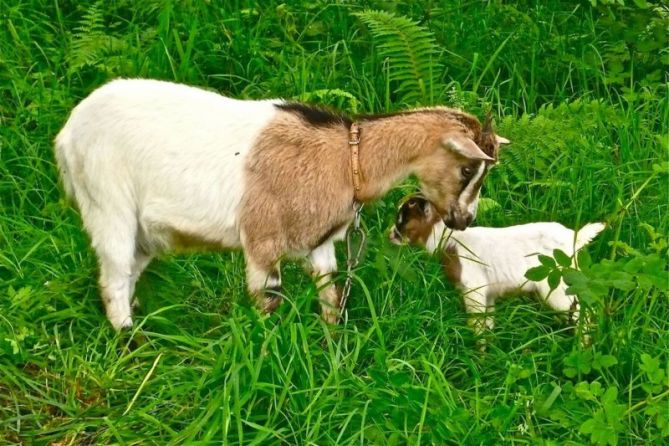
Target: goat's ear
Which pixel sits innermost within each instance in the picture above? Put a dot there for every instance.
(501, 140)
(419, 204)
(426, 209)
(464, 146)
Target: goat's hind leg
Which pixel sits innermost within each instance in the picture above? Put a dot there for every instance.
(113, 239)
(141, 261)
(559, 300)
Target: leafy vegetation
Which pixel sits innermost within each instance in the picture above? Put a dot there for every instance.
(580, 88)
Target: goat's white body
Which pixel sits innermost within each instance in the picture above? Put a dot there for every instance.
(168, 161)
(494, 260)
(175, 167)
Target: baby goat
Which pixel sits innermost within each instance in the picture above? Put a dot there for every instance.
(486, 263)
(155, 166)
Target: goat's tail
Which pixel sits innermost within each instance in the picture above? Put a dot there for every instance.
(63, 144)
(587, 233)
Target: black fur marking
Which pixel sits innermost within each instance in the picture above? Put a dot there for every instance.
(316, 116)
(475, 165)
(333, 230)
(274, 291)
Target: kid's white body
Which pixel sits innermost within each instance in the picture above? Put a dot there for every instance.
(494, 261)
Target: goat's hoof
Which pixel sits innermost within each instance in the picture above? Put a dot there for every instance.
(482, 345)
(122, 324)
(586, 340)
(133, 339)
(330, 316)
(271, 303)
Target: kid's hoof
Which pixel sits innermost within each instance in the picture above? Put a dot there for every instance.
(586, 340)
(482, 345)
(133, 339)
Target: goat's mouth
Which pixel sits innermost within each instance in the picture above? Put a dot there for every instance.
(457, 222)
(395, 237)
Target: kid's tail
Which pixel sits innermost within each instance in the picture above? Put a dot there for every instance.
(587, 233)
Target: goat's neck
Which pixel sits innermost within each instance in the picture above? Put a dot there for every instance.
(441, 238)
(389, 149)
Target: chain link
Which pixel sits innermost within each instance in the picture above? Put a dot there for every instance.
(353, 254)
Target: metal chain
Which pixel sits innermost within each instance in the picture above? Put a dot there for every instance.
(352, 257)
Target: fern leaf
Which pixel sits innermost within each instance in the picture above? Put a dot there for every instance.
(90, 43)
(411, 52)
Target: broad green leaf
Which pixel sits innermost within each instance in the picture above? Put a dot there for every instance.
(610, 396)
(561, 258)
(547, 261)
(578, 362)
(537, 273)
(582, 390)
(584, 260)
(603, 361)
(651, 366)
(554, 279)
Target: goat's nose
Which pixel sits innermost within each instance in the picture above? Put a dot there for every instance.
(395, 236)
(469, 219)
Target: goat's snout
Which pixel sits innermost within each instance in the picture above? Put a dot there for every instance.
(454, 219)
(395, 236)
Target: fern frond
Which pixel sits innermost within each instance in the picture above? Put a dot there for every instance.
(411, 53)
(90, 42)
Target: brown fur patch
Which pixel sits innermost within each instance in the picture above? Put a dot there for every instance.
(298, 187)
(450, 262)
(183, 241)
(482, 135)
(415, 226)
(299, 182)
(415, 221)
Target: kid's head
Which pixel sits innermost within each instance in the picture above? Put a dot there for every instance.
(415, 221)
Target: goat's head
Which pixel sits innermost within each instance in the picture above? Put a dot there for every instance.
(452, 174)
(415, 220)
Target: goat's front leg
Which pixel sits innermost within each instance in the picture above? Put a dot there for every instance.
(264, 283)
(323, 264)
(477, 306)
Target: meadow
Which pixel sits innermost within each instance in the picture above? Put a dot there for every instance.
(579, 87)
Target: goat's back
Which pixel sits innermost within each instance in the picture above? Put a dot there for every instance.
(501, 256)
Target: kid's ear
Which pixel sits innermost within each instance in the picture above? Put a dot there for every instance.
(426, 209)
(420, 205)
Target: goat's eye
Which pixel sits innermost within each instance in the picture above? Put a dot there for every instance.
(467, 171)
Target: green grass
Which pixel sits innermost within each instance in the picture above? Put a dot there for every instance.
(577, 88)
